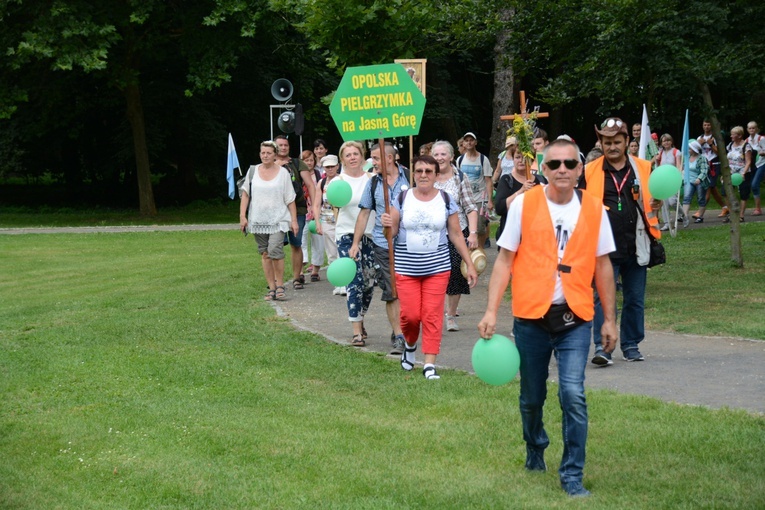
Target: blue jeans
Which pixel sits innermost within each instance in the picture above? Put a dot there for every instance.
(694, 189)
(632, 327)
(759, 173)
(571, 348)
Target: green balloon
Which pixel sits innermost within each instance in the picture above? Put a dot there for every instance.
(339, 193)
(736, 179)
(341, 272)
(312, 226)
(496, 361)
(664, 182)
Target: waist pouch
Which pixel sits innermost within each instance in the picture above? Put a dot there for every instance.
(559, 318)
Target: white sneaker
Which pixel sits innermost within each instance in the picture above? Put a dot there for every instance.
(339, 291)
(451, 323)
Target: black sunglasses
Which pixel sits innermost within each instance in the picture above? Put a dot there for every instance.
(554, 164)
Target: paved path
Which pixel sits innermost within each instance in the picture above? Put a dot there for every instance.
(707, 371)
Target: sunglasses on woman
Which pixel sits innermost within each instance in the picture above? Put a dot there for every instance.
(554, 164)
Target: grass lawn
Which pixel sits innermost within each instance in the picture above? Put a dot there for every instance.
(145, 371)
(699, 292)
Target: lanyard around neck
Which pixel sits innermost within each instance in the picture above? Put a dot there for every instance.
(620, 187)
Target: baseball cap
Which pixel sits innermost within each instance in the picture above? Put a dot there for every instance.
(329, 160)
(470, 133)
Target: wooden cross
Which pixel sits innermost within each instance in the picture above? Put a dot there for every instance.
(524, 111)
(525, 114)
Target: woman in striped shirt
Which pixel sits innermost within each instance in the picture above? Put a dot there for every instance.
(421, 218)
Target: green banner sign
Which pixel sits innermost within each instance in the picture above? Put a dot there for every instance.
(377, 102)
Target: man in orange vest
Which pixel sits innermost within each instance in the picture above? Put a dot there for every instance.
(556, 240)
(621, 182)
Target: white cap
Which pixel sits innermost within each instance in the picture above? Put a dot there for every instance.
(470, 133)
(329, 160)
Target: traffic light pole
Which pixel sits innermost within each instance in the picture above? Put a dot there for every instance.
(280, 107)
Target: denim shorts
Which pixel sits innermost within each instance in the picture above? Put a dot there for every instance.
(296, 240)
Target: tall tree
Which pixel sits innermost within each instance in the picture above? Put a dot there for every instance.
(671, 56)
(117, 40)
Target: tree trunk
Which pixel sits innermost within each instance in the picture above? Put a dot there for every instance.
(503, 86)
(736, 255)
(143, 171)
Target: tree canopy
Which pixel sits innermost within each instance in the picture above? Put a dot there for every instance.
(137, 95)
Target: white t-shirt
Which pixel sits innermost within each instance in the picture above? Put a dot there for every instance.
(564, 218)
(346, 218)
(706, 147)
(757, 143)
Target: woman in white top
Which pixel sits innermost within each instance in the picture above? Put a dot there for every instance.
(669, 155)
(506, 160)
(757, 143)
(458, 188)
(323, 211)
(267, 190)
(740, 161)
(359, 291)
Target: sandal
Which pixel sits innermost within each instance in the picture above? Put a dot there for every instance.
(430, 373)
(297, 285)
(358, 341)
(364, 332)
(407, 357)
(315, 277)
(279, 293)
(270, 296)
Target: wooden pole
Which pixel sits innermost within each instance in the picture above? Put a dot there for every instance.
(411, 157)
(386, 197)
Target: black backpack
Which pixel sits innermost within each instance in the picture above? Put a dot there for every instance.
(297, 181)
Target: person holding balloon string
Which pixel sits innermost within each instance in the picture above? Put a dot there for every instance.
(268, 210)
(324, 214)
(344, 193)
(556, 241)
(740, 161)
(421, 218)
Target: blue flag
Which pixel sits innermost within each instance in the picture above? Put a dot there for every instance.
(233, 162)
(686, 163)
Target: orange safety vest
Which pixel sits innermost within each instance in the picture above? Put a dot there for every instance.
(536, 264)
(595, 177)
